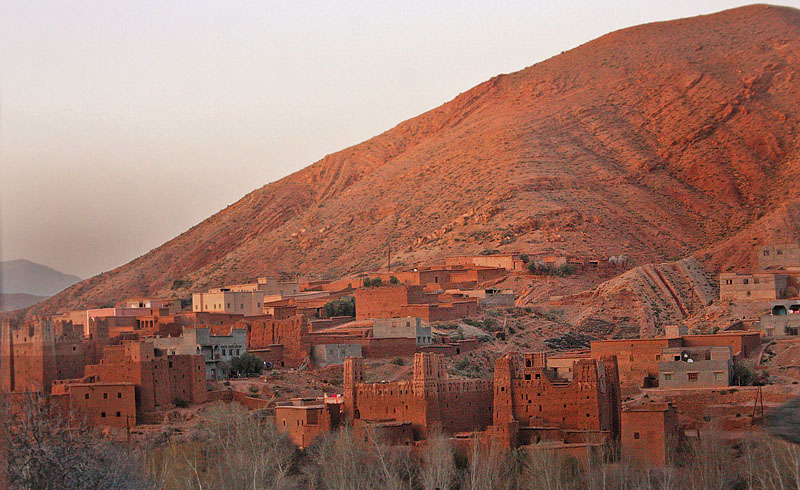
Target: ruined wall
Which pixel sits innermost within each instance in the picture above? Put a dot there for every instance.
(527, 393)
(36, 353)
(28, 356)
(292, 334)
(430, 399)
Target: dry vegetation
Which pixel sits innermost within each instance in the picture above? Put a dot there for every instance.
(236, 449)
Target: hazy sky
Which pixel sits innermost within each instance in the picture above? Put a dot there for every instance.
(122, 124)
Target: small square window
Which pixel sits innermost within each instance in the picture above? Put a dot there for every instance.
(692, 376)
(103, 414)
(86, 396)
(668, 377)
(636, 435)
(119, 414)
(105, 396)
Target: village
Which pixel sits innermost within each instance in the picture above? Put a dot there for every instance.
(401, 353)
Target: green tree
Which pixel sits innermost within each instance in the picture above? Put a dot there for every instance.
(246, 365)
(345, 306)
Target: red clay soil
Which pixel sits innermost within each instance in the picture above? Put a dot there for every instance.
(656, 142)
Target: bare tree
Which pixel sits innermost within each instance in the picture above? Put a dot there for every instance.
(489, 466)
(438, 469)
(235, 449)
(45, 448)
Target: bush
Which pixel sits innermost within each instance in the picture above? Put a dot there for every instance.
(743, 375)
(181, 403)
(399, 361)
(538, 268)
(340, 307)
(246, 365)
(373, 282)
(542, 269)
(180, 284)
(393, 280)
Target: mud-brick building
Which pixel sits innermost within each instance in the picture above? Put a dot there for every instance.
(758, 286)
(695, 367)
(160, 379)
(429, 400)
(110, 404)
(303, 419)
(777, 256)
(404, 301)
(638, 359)
(218, 349)
(531, 404)
(35, 353)
(650, 433)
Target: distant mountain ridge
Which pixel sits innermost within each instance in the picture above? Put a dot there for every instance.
(26, 277)
(18, 301)
(657, 142)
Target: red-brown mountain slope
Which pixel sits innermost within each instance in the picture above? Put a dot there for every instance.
(654, 141)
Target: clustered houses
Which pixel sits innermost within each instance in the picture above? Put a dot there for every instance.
(526, 405)
(144, 355)
(131, 363)
(113, 383)
(777, 277)
(295, 341)
(775, 284)
(646, 362)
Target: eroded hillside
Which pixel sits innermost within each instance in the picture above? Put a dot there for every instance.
(656, 142)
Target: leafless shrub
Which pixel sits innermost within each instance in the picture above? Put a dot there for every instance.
(438, 469)
(344, 460)
(235, 449)
(42, 448)
(490, 466)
